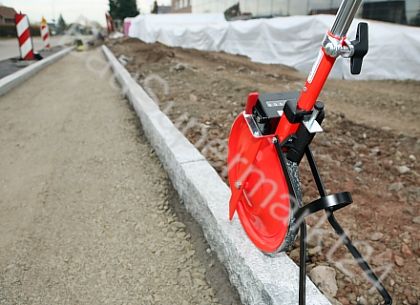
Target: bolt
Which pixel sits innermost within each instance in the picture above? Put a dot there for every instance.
(238, 184)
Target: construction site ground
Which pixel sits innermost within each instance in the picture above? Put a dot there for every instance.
(370, 147)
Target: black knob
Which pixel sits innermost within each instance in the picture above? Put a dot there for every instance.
(361, 47)
(319, 106)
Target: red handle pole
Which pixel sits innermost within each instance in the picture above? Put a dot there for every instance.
(323, 65)
(309, 93)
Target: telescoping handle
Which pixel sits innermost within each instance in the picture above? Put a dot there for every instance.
(345, 16)
(334, 45)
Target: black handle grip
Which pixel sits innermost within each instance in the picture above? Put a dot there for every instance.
(361, 48)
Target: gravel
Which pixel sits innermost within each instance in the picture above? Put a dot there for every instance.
(404, 169)
(88, 215)
(325, 278)
(395, 187)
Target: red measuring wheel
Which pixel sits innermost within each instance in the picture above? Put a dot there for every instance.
(260, 191)
(268, 141)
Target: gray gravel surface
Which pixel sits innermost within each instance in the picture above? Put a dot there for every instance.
(87, 213)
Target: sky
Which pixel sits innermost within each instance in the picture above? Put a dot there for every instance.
(71, 9)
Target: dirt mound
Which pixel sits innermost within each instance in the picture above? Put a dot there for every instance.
(148, 53)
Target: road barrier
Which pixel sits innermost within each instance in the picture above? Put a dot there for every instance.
(45, 33)
(24, 36)
(109, 23)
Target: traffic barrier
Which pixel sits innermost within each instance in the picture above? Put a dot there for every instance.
(109, 23)
(127, 25)
(45, 33)
(24, 36)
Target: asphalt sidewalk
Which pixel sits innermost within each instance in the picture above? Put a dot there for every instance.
(86, 214)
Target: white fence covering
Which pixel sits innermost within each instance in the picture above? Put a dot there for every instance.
(293, 41)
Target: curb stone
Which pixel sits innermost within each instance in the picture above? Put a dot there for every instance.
(259, 279)
(15, 79)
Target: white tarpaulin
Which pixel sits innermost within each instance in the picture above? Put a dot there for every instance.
(394, 51)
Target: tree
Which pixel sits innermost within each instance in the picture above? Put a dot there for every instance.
(120, 9)
(61, 25)
(155, 8)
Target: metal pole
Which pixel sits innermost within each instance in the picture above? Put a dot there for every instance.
(345, 16)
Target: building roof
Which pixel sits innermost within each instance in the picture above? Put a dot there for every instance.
(7, 12)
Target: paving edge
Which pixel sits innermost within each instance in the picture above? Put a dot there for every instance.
(13, 80)
(259, 279)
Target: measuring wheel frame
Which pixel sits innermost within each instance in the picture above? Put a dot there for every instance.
(267, 143)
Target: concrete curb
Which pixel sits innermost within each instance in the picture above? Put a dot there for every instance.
(260, 280)
(11, 81)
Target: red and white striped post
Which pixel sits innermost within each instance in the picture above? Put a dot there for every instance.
(45, 33)
(109, 23)
(24, 36)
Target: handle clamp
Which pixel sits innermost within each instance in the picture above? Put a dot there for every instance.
(360, 48)
(356, 49)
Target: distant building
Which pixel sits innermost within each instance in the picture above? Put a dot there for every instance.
(391, 11)
(396, 11)
(7, 15)
(181, 6)
(164, 9)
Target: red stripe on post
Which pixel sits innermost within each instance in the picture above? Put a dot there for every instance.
(19, 17)
(30, 55)
(25, 36)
